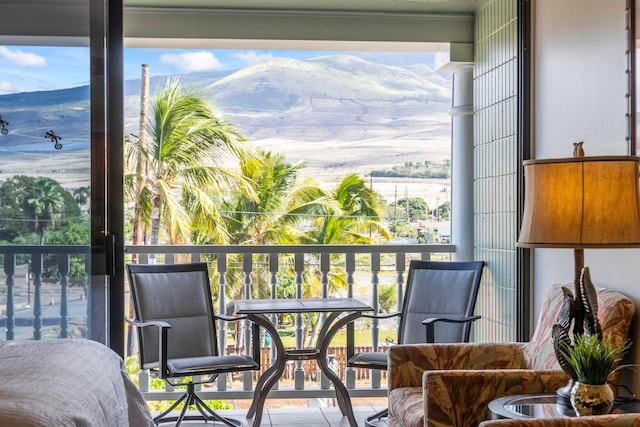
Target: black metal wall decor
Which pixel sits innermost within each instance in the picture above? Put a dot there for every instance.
(4, 130)
(54, 138)
(3, 126)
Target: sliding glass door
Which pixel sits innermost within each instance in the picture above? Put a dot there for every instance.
(57, 239)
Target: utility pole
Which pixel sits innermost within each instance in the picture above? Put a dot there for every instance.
(395, 203)
(406, 200)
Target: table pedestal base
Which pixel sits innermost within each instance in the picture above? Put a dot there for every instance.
(270, 377)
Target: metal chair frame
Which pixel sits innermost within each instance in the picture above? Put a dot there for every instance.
(370, 361)
(177, 371)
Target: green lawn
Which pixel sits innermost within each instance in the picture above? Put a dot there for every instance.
(362, 336)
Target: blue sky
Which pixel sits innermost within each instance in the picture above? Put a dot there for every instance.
(29, 68)
(168, 61)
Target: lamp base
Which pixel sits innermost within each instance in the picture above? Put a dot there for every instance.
(563, 397)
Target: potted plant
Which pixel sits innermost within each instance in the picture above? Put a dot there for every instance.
(593, 358)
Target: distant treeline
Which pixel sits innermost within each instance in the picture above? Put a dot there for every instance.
(426, 169)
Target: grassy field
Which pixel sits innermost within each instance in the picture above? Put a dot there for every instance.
(362, 337)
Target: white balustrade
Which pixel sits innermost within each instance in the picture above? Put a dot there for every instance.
(263, 272)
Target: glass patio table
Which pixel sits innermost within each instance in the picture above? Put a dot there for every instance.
(543, 406)
(340, 312)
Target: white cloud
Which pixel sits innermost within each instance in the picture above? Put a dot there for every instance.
(192, 61)
(6, 87)
(26, 59)
(251, 57)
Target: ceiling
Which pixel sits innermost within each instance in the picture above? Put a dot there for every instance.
(227, 23)
(212, 23)
(370, 6)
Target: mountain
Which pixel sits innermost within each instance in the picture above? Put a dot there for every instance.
(331, 96)
(32, 114)
(338, 113)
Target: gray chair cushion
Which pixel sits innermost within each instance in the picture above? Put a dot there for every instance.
(376, 360)
(190, 365)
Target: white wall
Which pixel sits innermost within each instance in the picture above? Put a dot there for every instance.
(579, 95)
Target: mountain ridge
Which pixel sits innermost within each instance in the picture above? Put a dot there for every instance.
(337, 113)
(265, 100)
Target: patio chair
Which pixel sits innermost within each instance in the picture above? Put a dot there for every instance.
(177, 334)
(438, 306)
(452, 384)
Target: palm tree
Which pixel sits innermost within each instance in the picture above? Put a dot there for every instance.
(45, 204)
(280, 206)
(351, 216)
(185, 157)
(275, 216)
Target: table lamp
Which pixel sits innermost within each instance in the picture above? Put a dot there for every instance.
(580, 203)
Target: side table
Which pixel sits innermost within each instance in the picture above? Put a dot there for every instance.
(543, 406)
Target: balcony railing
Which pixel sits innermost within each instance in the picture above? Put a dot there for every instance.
(362, 271)
(39, 301)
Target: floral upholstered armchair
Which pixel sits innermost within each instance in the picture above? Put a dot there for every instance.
(612, 420)
(439, 385)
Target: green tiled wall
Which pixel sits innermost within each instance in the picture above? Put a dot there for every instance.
(495, 157)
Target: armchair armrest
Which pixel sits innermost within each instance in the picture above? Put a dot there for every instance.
(408, 362)
(163, 328)
(462, 397)
(431, 322)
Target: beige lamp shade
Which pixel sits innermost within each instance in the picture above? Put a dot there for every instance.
(581, 202)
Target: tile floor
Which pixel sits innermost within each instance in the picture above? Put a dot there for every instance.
(305, 417)
(315, 416)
